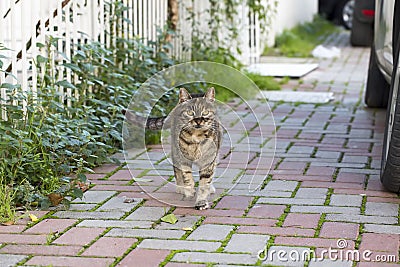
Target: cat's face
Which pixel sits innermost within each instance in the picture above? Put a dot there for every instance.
(198, 113)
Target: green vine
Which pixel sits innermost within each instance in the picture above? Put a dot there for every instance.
(223, 21)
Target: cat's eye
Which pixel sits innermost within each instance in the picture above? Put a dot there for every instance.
(190, 113)
(205, 113)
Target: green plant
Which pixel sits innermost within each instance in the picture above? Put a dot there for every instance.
(51, 137)
(301, 40)
(264, 82)
(7, 210)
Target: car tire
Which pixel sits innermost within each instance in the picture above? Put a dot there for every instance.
(362, 34)
(344, 13)
(377, 88)
(390, 168)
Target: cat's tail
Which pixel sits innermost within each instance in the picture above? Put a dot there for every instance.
(147, 123)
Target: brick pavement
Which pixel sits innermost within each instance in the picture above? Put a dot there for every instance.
(323, 187)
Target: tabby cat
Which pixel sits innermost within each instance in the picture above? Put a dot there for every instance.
(196, 136)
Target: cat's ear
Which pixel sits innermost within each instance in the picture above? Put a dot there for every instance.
(210, 95)
(183, 95)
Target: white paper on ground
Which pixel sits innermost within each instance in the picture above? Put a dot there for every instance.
(321, 51)
(297, 96)
(295, 70)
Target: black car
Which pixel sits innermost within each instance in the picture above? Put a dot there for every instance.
(362, 30)
(355, 15)
(382, 88)
(338, 11)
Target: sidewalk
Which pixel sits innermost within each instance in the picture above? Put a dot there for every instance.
(323, 194)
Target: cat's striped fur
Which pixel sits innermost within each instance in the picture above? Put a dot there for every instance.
(196, 136)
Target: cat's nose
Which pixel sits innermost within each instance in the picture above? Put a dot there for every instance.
(197, 120)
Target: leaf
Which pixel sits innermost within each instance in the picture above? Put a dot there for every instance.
(187, 229)
(41, 59)
(10, 86)
(170, 218)
(82, 177)
(77, 192)
(33, 217)
(72, 67)
(45, 203)
(8, 223)
(82, 186)
(55, 198)
(65, 84)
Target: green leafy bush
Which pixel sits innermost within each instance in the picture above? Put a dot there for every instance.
(51, 137)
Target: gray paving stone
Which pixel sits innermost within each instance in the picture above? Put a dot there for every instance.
(361, 218)
(252, 181)
(222, 258)
(273, 193)
(382, 229)
(305, 150)
(287, 256)
(362, 171)
(135, 166)
(311, 193)
(153, 156)
(95, 196)
(133, 152)
(117, 204)
(7, 260)
(366, 133)
(161, 172)
(140, 165)
(329, 263)
(229, 184)
(355, 159)
(115, 224)
(346, 200)
(250, 243)
(338, 164)
(82, 207)
(149, 233)
(382, 209)
(89, 214)
(263, 193)
(325, 209)
(180, 245)
(183, 222)
(297, 201)
(327, 154)
(228, 173)
(210, 232)
(278, 185)
(147, 214)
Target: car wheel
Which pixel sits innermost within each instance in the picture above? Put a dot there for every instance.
(344, 13)
(377, 89)
(361, 33)
(390, 171)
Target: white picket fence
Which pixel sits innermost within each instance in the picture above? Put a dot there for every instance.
(23, 23)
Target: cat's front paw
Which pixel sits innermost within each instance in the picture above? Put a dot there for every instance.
(201, 205)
